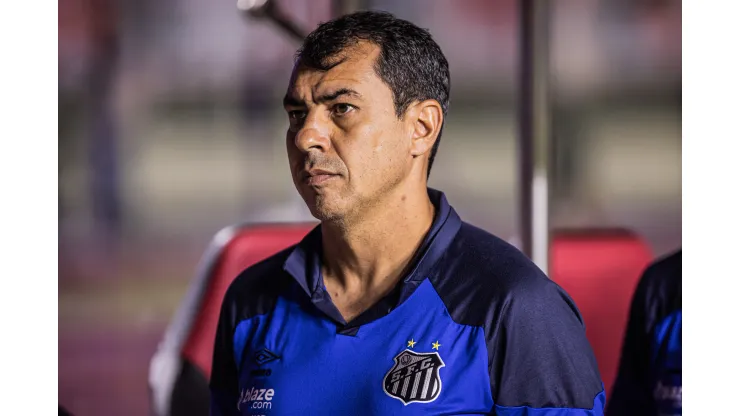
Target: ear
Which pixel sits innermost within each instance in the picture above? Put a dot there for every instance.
(425, 121)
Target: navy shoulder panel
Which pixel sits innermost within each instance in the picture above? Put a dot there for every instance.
(256, 289)
(480, 273)
(538, 353)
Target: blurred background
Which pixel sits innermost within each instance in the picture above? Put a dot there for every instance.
(171, 127)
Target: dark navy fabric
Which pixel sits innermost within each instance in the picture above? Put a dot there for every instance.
(473, 328)
(649, 378)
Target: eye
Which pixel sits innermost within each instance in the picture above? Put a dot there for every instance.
(342, 109)
(296, 119)
(296, 115)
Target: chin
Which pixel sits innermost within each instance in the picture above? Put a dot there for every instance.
(323, 208)
(325, 212)
(326, 217)
(324, 204)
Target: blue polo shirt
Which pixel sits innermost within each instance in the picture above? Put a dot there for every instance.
(473, 328)
(649, 377)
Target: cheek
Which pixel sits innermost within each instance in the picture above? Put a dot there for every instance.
(379, 157)
(372, 149)
(389, 149)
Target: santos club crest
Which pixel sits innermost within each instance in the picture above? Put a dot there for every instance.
(414, 377)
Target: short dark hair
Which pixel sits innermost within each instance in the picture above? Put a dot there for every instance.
(410, 61)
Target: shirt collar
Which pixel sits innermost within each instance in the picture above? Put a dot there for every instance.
(304, 262)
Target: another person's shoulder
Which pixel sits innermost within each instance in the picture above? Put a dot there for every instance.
(482, 275)
(664, 272)
(659, 289)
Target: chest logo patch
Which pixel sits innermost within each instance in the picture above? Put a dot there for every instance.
(414, 377)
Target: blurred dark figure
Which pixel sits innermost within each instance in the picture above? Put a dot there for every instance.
(89, 52)
(649, 377)
(102, 127)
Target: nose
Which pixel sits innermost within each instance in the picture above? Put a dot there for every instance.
(313, 134)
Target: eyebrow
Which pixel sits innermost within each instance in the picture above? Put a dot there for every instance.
(290, 101)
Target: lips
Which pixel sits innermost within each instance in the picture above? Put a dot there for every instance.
(319, 172)
(317, 176)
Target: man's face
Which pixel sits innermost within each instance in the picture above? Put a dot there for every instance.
(346, 147)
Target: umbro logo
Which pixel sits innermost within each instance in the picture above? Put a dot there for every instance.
(264, 356)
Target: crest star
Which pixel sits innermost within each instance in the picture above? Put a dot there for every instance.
(411, 343)
(436, 345)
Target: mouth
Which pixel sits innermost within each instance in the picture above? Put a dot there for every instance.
(315, 177)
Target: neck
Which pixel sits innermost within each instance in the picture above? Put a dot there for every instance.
(374, 251)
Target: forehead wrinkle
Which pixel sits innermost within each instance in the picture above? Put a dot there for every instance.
(352, 73)
(328, 87)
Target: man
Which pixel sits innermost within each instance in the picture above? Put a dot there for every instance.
(392, 305)
(649, 378)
